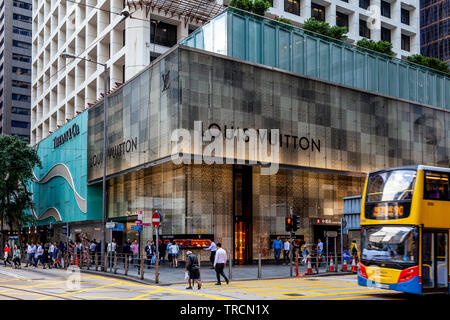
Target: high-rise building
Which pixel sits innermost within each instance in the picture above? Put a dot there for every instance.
(398, 19)
(435, 29)
(15, 68)
(98, 30)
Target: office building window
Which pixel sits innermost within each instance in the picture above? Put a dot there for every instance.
(364, 31)
(166, 34)
(21, 97)
(21, 71)
(21, 44)
(385, 34)
(405, 16)
(385, 9)
(21, 57)
(292, 6)
(318, 12)
(20, 84)
(341, 19)
(20, 111)
(364, 4)
(23, 32)
(21, 17)
(405, 43)
(20, 124)
(22, 5)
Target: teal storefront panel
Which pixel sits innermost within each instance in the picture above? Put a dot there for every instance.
(60, 191)
(294, 49)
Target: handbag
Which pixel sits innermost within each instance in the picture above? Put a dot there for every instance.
(186, 275)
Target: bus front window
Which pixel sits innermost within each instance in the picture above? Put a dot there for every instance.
(394, 246)
(394, 185)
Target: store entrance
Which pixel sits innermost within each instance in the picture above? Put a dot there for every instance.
(242, 214)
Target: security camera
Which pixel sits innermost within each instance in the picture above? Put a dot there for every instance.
(125, 12)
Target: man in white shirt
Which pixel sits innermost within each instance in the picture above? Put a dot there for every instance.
(111, 251)
(286, 249)
(213, 249)
(51, 251)
(219, 263)
(29, 257)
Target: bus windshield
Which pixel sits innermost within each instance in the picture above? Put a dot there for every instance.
(393, 246)
(394, 185)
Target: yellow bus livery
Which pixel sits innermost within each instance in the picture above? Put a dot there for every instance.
(405, 224)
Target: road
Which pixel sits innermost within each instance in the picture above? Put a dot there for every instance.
(39, 284)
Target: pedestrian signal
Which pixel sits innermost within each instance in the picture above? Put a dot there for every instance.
(289, 224)
(295, 223)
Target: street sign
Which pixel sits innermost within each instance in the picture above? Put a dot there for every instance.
(118, 227)
(140, 223)
(140, 215)
(346, 255)
(136, 228)
(13, 238)
(156, 218)
(331, 234)
(110, 225)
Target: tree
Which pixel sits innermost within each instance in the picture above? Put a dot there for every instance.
(429, 62)
(380, 46)
(17, 161)
(256, 6)
(325, 29)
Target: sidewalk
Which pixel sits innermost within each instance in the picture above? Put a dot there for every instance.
(169, 275)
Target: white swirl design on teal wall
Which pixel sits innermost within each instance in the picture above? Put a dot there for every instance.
(61, 170)
(50, 212)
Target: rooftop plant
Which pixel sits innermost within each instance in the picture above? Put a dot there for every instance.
(433, 63)
(325, 29)
(380, 46)
(256, 6)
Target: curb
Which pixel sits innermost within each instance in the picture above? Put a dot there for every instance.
(152, 282)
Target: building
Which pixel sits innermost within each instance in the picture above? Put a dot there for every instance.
(435, 29)
(97, 30)
(398, 19)
(326, 134)
(15, 68)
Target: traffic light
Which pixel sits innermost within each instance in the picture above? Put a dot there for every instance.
(289, 224)
(295, 223)
(65, 230)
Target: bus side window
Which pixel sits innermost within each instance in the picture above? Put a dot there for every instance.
(436, 186)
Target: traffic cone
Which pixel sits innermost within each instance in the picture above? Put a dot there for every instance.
(354, 264)
(309, 270)
(296, 267)
(76, 260)
(344, 266)
(331, 267)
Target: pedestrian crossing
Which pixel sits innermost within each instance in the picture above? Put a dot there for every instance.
(321, 288)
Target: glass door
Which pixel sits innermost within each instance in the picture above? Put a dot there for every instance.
(435, 260)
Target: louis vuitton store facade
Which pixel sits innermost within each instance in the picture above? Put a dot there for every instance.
(329, 136)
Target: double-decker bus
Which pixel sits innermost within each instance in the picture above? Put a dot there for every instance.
(405, 224)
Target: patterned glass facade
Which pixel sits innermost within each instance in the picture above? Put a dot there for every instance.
(354, 132)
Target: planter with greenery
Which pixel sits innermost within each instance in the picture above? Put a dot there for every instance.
(380, 46)
(325, 29)
(429, 62)
(258, 7)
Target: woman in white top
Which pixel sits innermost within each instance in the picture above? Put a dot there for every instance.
(175, 249)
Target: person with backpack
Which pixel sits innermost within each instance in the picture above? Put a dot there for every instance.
(193, 270)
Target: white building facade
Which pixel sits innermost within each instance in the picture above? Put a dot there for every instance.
(398, 20)
(96, 30)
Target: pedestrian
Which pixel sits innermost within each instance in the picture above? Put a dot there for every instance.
(193, 269)
(169, 252)
(286, 248)
(149, 253)
(92, 250)
(135, 251)
(56, 256)
(28, 255)
(175, 253)
(38, 256)
(213, 248)
(277, 246)
(126, 250)
(315, 254)
(219, 263)
(319, 250)
(111, 251)
(51, 253)
(7, 254)
(354, 250)
(44, 257)
(304, 252)
(16, 257)
(33, 253)
(162, 250)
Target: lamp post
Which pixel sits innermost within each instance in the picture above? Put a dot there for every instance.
(105, 107)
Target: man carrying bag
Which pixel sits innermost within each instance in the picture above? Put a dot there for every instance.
(193, 270)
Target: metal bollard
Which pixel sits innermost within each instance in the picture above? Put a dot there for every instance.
(142, 268)
(199, 258)
(230, 274)
(96, 261)
(106, 263)
(259, 266)
(126, 264)
(115, 263)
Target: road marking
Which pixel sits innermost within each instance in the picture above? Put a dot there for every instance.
(144, 295)
(79, 291)
(309, 287)
(331, 294)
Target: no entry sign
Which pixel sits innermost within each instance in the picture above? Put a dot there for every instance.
(156, 218)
